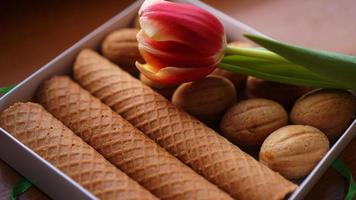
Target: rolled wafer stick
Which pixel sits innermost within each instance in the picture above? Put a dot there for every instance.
(195, 144)
(31, 124)
(122, 144)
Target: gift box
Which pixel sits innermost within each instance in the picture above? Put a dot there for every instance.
(51, 180)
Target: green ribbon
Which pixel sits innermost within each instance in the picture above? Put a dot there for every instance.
(341, 167)
(23, 185)
(19, 188)
(4, 90)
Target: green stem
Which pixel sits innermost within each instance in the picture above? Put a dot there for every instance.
(278, 78)
(254, 52)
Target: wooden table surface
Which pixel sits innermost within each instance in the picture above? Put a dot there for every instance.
(34, 32)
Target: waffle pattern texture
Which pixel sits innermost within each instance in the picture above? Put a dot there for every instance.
(31, 124)
(123, 144)
(191, 141)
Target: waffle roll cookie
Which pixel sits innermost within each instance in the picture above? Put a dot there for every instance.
(122, 144)
(208, 153)
(31, 124)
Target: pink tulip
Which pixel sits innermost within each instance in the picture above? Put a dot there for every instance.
(179, 42)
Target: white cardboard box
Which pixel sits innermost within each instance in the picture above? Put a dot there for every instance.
(59, 186)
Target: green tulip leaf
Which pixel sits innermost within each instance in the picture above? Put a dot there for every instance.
(6, 89)
(19, 188)
(338, 68)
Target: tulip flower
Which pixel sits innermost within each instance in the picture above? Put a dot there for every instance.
(182, 42)
(179, 42)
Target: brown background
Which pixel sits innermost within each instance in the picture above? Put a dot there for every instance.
(34, 32)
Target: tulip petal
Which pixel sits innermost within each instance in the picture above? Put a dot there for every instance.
(174, 75)
(172, 53)
(165, 59)
(167, 46)
(184, 23)
(179, 42)
(148, 3)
